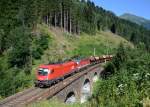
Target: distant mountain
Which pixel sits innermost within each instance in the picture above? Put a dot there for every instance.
(136, 19)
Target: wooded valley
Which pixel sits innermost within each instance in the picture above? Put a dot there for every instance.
(21, 44)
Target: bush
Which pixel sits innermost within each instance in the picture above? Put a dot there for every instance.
(130, 83)
(15, 80)
(20, 51)
(40, 44)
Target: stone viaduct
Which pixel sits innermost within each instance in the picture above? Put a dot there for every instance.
(81, 89)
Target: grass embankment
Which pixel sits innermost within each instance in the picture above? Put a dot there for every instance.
(64, 45)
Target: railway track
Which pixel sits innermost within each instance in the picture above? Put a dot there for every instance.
(18, 98)
(37, 94)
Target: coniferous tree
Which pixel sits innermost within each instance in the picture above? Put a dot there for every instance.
(113, 28)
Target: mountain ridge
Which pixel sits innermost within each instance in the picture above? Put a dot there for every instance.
(136, 19)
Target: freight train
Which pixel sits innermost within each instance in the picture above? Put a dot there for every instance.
(48, 74)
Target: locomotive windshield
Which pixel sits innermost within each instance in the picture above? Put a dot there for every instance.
(43, 72)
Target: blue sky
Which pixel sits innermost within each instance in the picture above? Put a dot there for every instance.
(136, 7)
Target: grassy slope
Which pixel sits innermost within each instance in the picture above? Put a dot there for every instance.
(64, 45)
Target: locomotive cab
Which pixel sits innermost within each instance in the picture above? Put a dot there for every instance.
(49, 74)
(43, 77)
(43, 73)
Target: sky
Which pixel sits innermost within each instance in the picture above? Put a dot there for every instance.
(119, 7)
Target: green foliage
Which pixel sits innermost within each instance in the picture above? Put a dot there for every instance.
(120, 56)
(110, 69)
(129, 85)
(113, 28)
(40, 44)
(102, 42)
(20, 52)
(83, 15)
(13, 81)
(118, 61)
(17, 61)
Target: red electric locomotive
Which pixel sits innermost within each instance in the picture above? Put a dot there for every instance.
(49, 74)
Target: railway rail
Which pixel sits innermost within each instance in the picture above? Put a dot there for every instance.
(37, 94)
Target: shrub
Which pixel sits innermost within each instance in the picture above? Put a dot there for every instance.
(40, 44)
(128, 85)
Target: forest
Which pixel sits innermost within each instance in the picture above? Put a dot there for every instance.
(20, 44)
(73, 16)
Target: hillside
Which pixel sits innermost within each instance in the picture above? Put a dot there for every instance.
(65, 45)
(136, 19)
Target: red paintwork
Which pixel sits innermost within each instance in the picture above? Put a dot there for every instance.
(83, 63)
(58, 70)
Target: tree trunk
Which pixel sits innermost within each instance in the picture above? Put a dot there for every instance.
(47, 19)
(61, 17)
(64, 21)
(78, 28)
(44, 19)
(55, 19)
(74, 28)
(70, 24)
(67, 20)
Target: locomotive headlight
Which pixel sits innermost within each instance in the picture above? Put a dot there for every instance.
(46, 70)
(49, 71)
